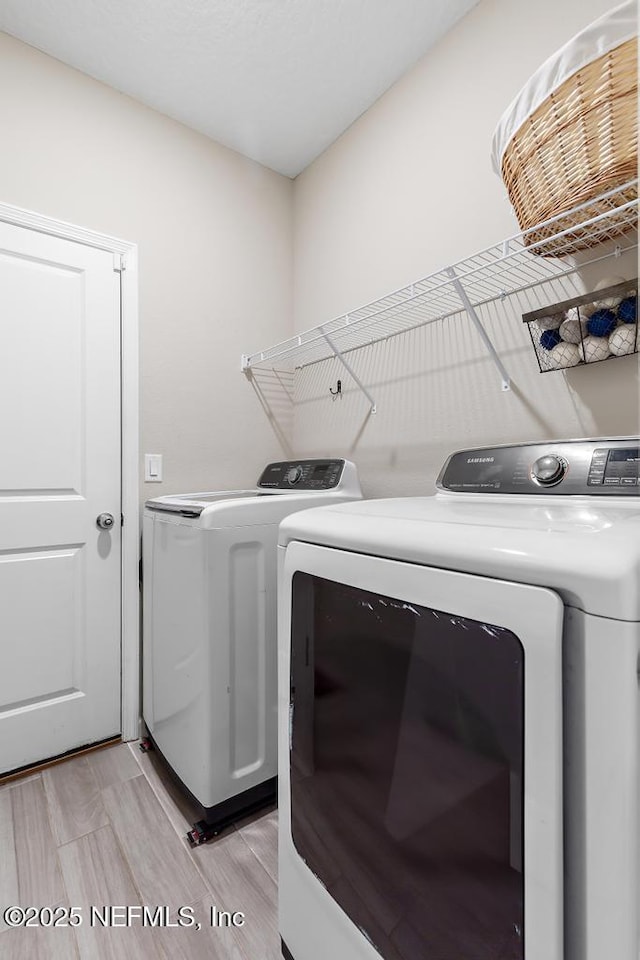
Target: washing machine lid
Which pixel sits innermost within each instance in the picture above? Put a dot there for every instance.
(284, 484)
(585, 549)
(192, 504)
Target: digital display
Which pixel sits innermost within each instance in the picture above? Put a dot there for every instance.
(622, 468)
(625, 456)
(318, 471)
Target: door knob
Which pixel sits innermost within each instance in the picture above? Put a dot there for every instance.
(105, 521)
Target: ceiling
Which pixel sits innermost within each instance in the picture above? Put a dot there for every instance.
(276, 80)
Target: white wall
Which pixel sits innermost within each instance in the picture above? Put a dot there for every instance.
(214, 235)
(407, 190)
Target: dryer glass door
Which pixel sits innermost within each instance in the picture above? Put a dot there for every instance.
(408, 758)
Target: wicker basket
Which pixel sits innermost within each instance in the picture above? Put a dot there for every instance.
(579, 143)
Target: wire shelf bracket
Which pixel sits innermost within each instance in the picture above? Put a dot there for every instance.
(484, 336)
(350, 371)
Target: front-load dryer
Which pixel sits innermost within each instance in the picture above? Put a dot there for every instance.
(209, 634)
(459, 714)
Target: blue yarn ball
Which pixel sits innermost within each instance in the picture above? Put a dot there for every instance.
(550, 339)
(628, 310)
(601, 323)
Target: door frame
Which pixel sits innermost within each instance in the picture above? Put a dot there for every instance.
(125, 261)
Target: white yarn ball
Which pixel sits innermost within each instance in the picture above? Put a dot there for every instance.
(563, 355)
(550, 323)
(594, 348)
(623, 340)
(572, 330)
(608, 282)
(609, 303)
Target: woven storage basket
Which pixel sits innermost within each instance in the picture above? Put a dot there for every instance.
(579, 143)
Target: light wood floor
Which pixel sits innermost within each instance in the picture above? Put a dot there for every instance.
(109, 829)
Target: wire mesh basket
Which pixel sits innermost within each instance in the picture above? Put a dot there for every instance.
(596, 326)
(581, 142)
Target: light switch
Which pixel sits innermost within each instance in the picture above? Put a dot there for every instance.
(153, 467)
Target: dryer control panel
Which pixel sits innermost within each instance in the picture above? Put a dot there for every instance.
(302, 475)
(557, 467)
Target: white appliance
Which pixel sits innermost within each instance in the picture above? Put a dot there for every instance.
(459, 722)
(209, 637)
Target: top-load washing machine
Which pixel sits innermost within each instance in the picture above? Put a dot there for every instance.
(209, 634)
(459, 714)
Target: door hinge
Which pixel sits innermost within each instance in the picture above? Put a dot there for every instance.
(119, 262)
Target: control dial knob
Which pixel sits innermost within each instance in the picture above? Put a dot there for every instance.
(294, 475)
(549, 470)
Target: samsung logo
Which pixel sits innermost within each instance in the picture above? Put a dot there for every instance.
(481, 459)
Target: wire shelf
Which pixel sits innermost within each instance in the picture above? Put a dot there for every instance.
(495, 273)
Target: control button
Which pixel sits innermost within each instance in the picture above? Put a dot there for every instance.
(613, 481)
(630, 481)
(294, 475)
(548, 470)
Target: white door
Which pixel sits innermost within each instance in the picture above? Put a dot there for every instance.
(60, 593)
